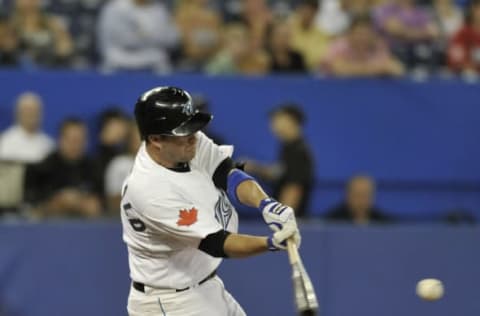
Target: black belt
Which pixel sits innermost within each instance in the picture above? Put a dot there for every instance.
(141, 287)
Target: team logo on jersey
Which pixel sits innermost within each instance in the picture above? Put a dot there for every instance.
(187, 217)
(223, 210)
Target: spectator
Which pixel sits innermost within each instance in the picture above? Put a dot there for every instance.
(118, 169)
(64, 183)
(136, 35)
(449, 17)
(257, 17)
(359, 205)
(335, 16)
(81, 16)
(44, 40)
(464, 48)
(411, 33)
(236, 57)
(9, 46)
(200, 27)
(361, 52)
(293, 175)
(283, 59)
(360, 7)
(24, 141)
(307, 39)
(332, 17)
(113, 139)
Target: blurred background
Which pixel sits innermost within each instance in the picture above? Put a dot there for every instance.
(364, 115)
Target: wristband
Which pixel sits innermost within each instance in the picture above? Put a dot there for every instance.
(271, 246)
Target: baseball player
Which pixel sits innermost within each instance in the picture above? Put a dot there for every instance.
(178, 222)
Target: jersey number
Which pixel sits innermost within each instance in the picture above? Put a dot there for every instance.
(137, 224)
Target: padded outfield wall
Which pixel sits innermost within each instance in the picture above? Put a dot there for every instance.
(420, 140)
(80, 268)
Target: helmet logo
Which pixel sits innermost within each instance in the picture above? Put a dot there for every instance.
(188, 109)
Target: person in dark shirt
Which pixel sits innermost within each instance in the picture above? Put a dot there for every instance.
(64, 183)
(9, 45)
(114, 128)
(359, 204)
(283, 59)
(292, 176)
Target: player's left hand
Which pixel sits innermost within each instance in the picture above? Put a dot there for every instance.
(276, 215)
(278, 241)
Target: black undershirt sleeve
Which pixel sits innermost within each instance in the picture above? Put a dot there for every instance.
(213, 244)
(221, 173)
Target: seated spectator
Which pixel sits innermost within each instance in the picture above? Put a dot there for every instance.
(44, 40)
(257, 17)
(361, 52)
(112, 139)
(24, 141)
(81, 16)
(449, 17)
(335, 16)
(9, 45)
(359, 205)
(293, 175)
(236, 55)
(332, 17)
(464, 48)
(200, 28)
(411, 33)
(64, 184)
(118, 169)
(360, 7)
(283, 59)
(136, 35)
(307, 39)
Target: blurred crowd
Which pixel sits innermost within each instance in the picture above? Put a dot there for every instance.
(252, 37)
(41, 177)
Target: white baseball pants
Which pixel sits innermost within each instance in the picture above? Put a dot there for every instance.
(208, 299)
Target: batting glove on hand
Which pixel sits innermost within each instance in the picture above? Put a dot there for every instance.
(278, 241)
(275, 214)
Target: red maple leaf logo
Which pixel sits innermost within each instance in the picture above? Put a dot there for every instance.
(187, 217)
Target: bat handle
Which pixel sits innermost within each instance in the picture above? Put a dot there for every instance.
(292, 250)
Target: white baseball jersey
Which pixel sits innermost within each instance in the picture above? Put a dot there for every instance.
(165, 215)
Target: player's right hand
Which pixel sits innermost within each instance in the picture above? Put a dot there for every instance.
(276, 215)
(278, 241)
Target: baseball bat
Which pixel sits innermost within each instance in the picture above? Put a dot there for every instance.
(304, 293)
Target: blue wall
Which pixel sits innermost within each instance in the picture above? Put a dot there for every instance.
(424, 135)
(80, 268)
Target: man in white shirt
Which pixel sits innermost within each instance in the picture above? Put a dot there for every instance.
(136, 35)
(178, 222)
(24, 141)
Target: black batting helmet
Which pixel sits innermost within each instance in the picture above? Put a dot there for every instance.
(168, 111)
